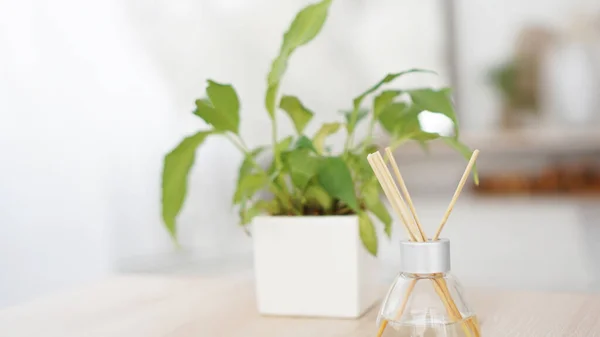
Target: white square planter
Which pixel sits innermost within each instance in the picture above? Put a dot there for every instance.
(313, 266)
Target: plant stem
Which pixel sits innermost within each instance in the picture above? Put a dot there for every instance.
(243, 144)
(397, 142)
(369, 138)
(274, 141)
(343, 210)
(348, 143)
(239, 143)
(278, 165)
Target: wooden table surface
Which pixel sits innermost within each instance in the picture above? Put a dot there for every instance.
(174, 306)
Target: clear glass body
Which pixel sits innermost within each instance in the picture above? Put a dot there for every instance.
(426, 305)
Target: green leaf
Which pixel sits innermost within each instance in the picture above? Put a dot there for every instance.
(302, 166)
(371, 148)
(206, 111)
(268, 206)
(435, 101)
(408, 123)
(284, 144)
(371, 196)
(402, 122)
(249, 185)
(245, 169)
(358, 163)
(367, 233)
(304, 142)
(270, 98)
(299, 114)
(247, 164)
(383, 100)
(315, 192)
(248, 214)
(335, 177)
(391, 116)
(465, 151)
(258, 208)
(176, 169)
(381, 212)
(350, 125)
(305, 27)
(423, 136)
(281, 147)
(325, 130)
(388, 78)
(222, 111)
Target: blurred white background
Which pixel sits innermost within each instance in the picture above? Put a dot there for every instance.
(94, 93)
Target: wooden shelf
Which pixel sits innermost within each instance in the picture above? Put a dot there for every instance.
(515, 142)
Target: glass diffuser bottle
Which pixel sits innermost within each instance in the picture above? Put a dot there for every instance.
(425, 300)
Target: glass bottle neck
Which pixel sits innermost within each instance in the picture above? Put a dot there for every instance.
(425, 276)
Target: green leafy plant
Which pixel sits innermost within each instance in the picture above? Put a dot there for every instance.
(512, 83)
(305, 178)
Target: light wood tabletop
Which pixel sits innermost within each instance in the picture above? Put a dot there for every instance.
(223, 306)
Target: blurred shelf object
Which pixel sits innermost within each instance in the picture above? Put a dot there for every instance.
(573, 179)
(542, 141)
(526, 152)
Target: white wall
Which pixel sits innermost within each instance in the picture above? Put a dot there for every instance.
(82, 126)
(92, 94)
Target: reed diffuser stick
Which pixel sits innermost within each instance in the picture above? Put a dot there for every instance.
(407, 216)
(409, 290)
(442, 284)
(389, 193)
(404, 189)
(459, 189)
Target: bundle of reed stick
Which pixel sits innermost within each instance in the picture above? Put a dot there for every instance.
(403, 206)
